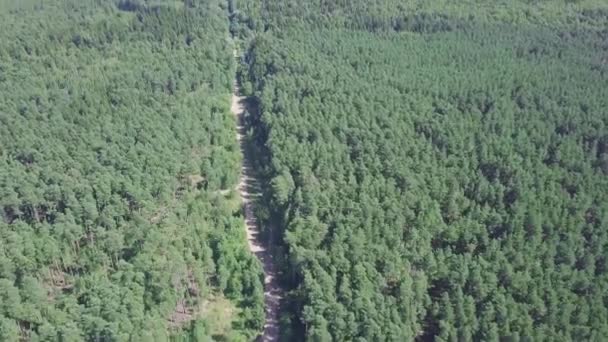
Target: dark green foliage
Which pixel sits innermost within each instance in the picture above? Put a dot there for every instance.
(442, 181)
(115, 136)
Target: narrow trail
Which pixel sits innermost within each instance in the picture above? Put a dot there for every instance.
(249, 189)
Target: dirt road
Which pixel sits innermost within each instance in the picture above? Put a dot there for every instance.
(249, 190)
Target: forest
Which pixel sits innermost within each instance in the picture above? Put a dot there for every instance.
(431, 170)
(117, 156)
(434, 171)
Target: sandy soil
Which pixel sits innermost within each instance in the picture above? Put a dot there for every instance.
(249, 190)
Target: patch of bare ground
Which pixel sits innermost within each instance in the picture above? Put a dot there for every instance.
(185, 310)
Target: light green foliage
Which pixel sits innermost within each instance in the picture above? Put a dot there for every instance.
(115, 133)
(448, 166)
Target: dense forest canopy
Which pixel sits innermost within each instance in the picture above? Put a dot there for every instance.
(384, 15)
(115, 137)
(436, 170)
(433, 170)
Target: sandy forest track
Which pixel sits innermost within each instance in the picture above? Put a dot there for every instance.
(249, 190)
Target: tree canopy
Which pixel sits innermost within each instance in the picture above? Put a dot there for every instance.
(435, 171)
(115, 137)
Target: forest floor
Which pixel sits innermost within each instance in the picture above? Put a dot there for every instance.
(249, 190)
